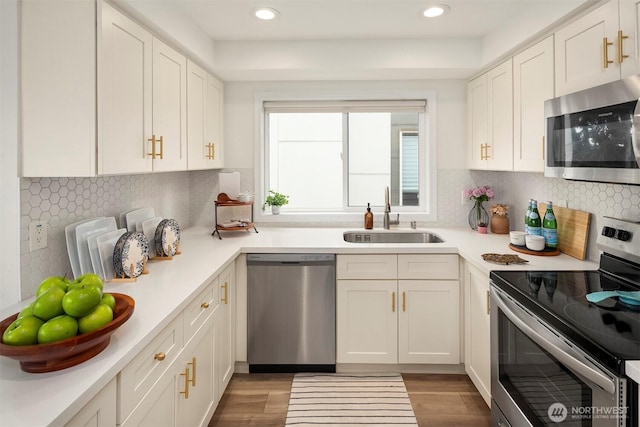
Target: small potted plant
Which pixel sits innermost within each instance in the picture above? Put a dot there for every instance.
(275, 200)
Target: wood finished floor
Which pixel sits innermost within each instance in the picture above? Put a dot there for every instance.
(261, 400)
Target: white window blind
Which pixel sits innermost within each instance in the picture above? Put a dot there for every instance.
(383, 106)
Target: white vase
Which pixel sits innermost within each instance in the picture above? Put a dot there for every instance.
(275, 210)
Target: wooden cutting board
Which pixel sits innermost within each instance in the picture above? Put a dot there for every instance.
(573, 230)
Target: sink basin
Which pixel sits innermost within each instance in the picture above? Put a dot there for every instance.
(391, 237)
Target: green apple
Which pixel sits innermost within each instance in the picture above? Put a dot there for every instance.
(22, 331)
(88, 279)
(57, 329)
(100, 316)
(50, 281)
(79, 302)
(109, 300)
(49, 304)
(27, 311)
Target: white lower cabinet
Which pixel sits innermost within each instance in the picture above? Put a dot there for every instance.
(100, 411)
(225, 329)
(477, 354)
(399, 321)
(178, 379)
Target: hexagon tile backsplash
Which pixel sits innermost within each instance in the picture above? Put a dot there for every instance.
(188, 198)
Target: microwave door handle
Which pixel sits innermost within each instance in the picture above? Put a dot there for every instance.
(635, 135)
(593, 375)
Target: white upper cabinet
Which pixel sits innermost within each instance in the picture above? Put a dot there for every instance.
(169, 109)
(533, 84)
(598, 48)
(144, 95)
(204, 119)
(490, 119)
(58, 88)
(126, 95)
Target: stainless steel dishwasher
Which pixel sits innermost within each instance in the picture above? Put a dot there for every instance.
(291, 303)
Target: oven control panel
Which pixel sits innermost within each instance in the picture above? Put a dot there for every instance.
(620, 237)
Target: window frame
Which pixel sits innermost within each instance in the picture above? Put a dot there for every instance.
(428, 174)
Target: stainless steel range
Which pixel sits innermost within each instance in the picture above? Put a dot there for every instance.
(559, 345)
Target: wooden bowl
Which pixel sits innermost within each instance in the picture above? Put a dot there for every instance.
(63, 354)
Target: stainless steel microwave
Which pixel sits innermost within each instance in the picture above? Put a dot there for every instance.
(594, 134)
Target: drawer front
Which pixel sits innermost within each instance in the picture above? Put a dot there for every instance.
(138, 377)
(367, 267)
(200, 309)
(436, 266)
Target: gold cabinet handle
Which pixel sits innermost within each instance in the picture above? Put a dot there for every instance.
(161, 155)
(193, 371)
(404, 301)
(159, 356)
(211, 153)
(225, 299)
(481, 151)
(621, 55)
(605, 50)
(204, 305)
(393, 302)
(152, 140)
(185, 374)
(486, 152)
(488, 303)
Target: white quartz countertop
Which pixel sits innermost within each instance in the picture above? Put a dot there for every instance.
(53, 398)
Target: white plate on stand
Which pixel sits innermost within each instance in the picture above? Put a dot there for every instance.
(72, 246)
(135, 216)
(83, 231)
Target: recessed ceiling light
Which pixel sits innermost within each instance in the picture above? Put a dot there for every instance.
(435, 10)
(265, 13)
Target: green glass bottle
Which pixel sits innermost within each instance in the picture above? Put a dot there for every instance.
(535, 223)
(550, 227)
(527, 217)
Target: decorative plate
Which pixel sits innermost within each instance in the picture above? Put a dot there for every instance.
(130, 254)
(504, 259)
(167, 238)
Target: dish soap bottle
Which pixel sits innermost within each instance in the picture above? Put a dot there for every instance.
(368, 218)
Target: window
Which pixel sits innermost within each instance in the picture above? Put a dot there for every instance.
(338, 156)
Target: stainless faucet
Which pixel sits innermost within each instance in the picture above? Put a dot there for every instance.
(386, 223)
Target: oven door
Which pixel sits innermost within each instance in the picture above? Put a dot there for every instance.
(539, 379)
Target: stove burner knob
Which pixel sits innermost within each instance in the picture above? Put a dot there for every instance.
(608, 231)
(623, 235)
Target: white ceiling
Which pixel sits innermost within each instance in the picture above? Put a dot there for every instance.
(351, 39)
(360, 19)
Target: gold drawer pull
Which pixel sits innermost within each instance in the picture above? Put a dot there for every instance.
(161, 147)
(621, 55)
(204, 305)
(404, 301)
(605, 50)
(160, 356)
(152, 140)
(393, 302)
(185, 374)
(193, 373)
(211, 153)
(225, 299)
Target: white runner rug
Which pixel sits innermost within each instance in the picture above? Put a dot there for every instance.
(349, 400)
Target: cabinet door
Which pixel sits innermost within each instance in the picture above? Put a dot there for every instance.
(499, 151)
(630, 46)
(159, 406)
(213, 126)
(477, 121)
(58, 88)
(125, 90)
(225, 344)
(366, 321)
(100, 411)
(169, 108)
(477, 357)
(532, 85)
(580, 49)
(429, 321)
(196, 406)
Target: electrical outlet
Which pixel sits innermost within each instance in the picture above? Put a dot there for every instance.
(38, 231)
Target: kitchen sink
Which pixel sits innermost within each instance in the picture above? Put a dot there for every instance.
(391, 237)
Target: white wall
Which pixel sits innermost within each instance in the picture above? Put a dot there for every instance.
(241, 130)
(10, 188)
